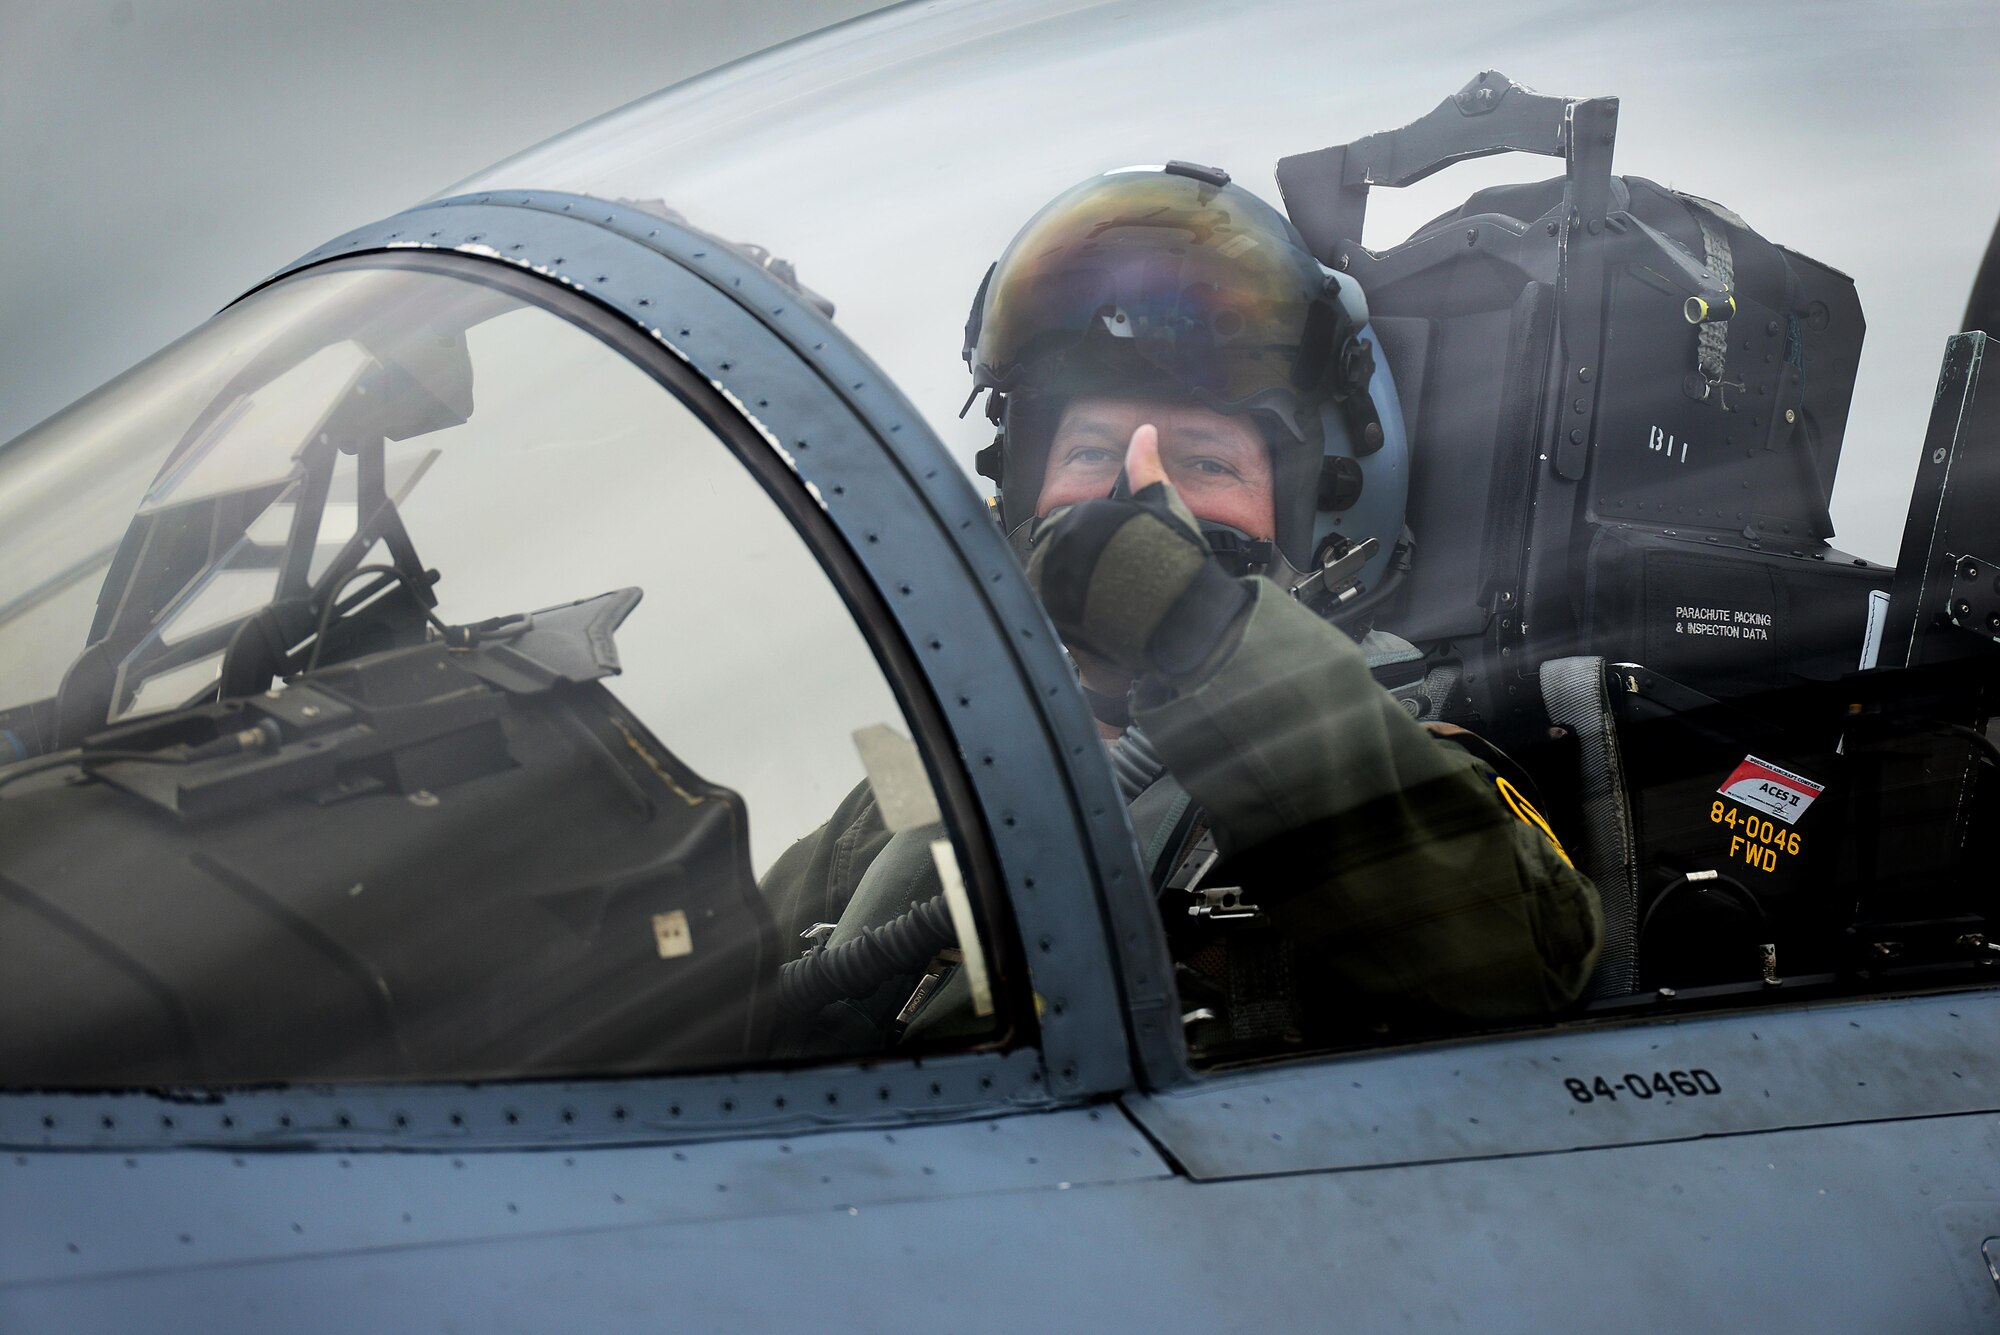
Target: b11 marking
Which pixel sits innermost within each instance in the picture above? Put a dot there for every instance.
(1643, 1086)
(1777, 792)
(1660, 442)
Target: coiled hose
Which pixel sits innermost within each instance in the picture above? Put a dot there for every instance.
(905, 944)
(1134, 763)
(857, 966)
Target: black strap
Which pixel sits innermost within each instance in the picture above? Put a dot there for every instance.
(1113, 709)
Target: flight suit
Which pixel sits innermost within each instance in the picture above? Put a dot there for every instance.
(1404, 877)
(1408, 876)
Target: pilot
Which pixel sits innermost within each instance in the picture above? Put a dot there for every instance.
(1171, 372)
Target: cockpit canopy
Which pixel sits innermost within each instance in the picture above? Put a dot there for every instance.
(432, 667)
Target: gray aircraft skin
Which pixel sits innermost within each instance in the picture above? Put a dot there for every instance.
(188, 1141)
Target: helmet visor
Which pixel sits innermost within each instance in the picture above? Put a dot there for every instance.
(1207, 286)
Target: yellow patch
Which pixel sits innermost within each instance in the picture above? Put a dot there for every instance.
(1524, 811)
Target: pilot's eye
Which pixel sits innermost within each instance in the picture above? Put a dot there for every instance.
(1209, 468)
(1089, 454)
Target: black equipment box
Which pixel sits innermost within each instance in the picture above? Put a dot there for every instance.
(1728, 621)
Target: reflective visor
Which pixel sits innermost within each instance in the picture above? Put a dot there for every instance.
(1207, 285)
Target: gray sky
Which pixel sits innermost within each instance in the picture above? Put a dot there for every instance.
(159, 156)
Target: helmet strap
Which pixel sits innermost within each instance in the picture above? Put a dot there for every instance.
(1113, 709)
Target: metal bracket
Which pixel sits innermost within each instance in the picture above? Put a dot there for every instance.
(1592, 133)
(1224, 905)
(1974, 600)
(1339, 578)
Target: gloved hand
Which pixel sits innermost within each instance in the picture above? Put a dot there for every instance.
(1130, 582)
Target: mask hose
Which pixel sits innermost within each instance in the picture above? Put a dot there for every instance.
(856, 967)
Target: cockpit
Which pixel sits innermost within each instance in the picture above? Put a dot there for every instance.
(445, 663)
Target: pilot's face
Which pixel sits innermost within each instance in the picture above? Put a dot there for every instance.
(1218, 463)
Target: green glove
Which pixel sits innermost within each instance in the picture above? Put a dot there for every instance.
(1130, 582)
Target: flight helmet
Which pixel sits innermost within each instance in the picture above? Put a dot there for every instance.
(1173, 283)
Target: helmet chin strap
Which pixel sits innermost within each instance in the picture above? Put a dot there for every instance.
(1240, 554)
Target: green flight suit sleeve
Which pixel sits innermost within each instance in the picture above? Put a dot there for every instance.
(813, 880)
(1389, 856)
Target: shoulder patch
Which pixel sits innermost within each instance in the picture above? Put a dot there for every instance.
(1525, 812)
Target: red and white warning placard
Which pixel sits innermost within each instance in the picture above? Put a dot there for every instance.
(1760, 784)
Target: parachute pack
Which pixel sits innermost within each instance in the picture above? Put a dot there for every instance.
(1625, 409)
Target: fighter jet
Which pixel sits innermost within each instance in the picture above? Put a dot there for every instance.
(420, 680)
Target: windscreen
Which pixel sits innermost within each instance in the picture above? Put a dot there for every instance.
(1624, 522)
(403, 683)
